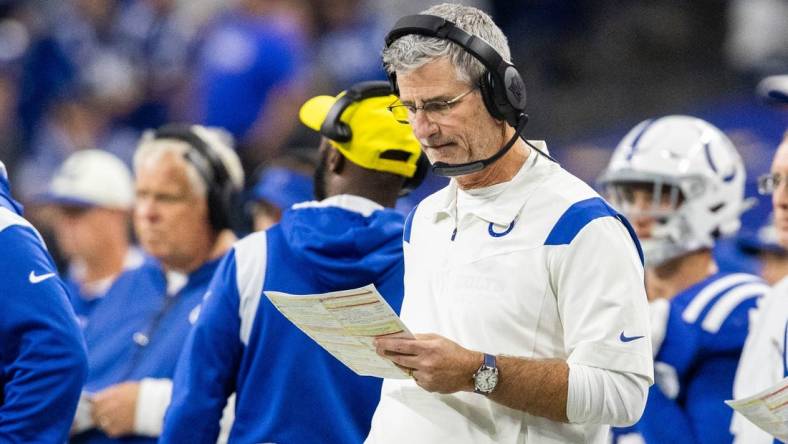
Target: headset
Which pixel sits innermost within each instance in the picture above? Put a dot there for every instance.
(501, 85)
(335, 129)
(221, 190)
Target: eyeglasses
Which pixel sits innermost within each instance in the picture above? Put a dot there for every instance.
(438, 108)
(768, 183)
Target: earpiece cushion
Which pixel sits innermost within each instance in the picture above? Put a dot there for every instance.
(487, 89)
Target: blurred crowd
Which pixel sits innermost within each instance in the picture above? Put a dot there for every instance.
(95, 73)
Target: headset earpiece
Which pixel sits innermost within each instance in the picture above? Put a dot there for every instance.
(221, 191)
(487, 90)
(514, 88)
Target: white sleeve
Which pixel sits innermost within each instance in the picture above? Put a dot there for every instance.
(152, 402)
(599, 287)
(598, 396)
(83, 418)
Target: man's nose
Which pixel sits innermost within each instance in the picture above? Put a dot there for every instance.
(145, 208)
(423, 126)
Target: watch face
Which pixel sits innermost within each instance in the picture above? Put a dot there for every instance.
(486, 380)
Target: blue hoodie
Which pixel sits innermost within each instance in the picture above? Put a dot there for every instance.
(289, 390)
(42, 354)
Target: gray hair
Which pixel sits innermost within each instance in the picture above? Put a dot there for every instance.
(411, 51)
(218, 140)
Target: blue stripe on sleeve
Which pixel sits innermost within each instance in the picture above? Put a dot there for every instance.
(408, 225)
(581, 214)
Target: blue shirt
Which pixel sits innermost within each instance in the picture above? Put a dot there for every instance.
(137, 330)
(289, 390)
(42, 354)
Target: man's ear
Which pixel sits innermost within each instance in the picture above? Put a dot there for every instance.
(335, 161)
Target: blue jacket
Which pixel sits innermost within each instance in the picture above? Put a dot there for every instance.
(42, 354)
(289, 390)
(137, 330)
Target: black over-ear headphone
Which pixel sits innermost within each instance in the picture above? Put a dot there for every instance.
(335, 129)
(221, 190)
(501, 85)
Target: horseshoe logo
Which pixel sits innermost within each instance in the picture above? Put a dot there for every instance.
(503, 233)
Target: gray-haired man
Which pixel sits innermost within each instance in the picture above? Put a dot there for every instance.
(531, 285)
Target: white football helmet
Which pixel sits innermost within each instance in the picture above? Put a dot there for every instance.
(696, 179)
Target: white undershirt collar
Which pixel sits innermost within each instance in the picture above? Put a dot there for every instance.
(349, 202)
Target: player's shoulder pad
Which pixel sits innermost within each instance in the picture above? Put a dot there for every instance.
(714, 302)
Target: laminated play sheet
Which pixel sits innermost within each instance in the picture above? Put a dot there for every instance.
(345, 323)
(767, 409)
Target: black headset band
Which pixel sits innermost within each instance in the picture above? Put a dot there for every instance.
(332, 127)
(434, 26)
(218, 173)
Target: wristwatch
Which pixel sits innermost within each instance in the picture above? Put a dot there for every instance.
(486, 377)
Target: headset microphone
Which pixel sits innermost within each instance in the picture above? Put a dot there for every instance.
(459, 169)
(450, 170)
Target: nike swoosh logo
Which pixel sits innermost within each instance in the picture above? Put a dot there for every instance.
(623, 338)
(35, 279)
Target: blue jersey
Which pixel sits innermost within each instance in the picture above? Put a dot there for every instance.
(288, 389)
(85, 297)
(138, 328)
(42, 354)
(696, 363)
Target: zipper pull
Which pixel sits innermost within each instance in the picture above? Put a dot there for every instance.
(454, 234)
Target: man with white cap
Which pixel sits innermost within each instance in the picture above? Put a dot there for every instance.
(288, 389)
(42, 354)
(93, 194)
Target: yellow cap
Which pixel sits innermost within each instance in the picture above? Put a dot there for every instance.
(374, 131)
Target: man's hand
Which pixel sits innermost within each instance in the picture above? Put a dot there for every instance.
(437, 364)
(114, 408)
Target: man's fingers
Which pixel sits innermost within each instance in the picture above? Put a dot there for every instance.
(406, 361)
(104, 407)
(390, 346)
(104, 395)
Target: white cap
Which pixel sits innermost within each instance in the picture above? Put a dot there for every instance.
(92, 178)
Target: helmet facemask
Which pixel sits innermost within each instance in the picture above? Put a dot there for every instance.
(693, 179)
(660, 205)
